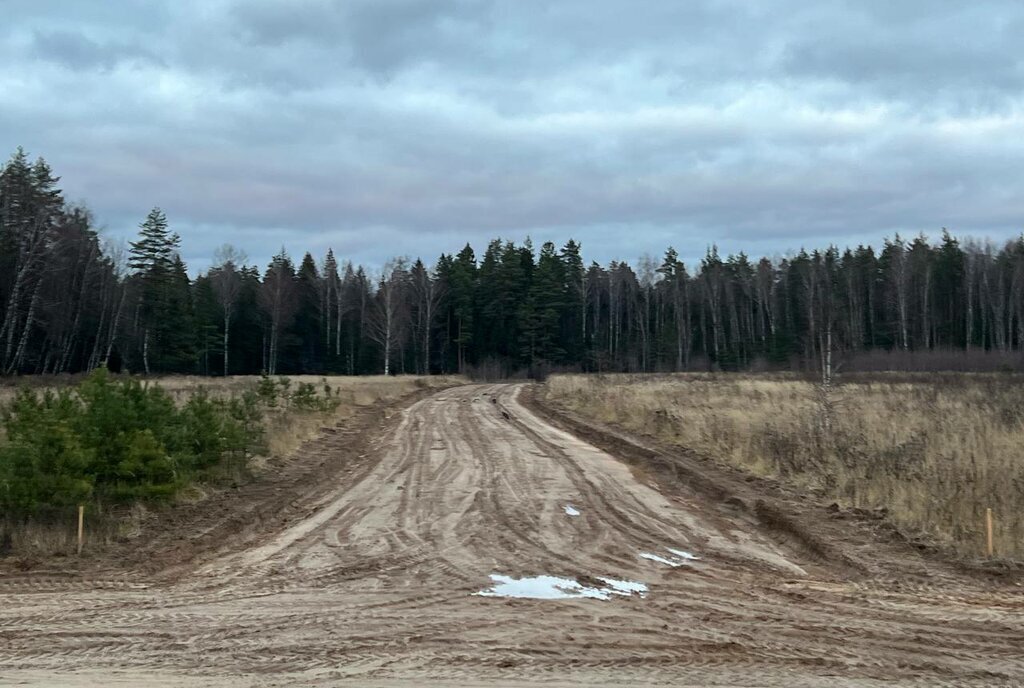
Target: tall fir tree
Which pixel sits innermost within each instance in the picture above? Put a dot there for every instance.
(163, 306)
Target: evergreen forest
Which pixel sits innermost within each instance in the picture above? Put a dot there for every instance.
(72, 303)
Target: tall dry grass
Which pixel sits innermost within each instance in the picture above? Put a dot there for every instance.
(935, 450)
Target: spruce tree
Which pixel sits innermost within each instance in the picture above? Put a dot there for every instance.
(309, 318)
(162, 307)
(546, 301)
(462, 287)
(331, 307)
(574, 302)
(155, 249)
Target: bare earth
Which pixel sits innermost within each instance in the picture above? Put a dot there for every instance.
(374, 585)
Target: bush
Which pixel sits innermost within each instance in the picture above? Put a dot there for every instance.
(121, 441)
(116, 441)
(305, 398)
(266, 390)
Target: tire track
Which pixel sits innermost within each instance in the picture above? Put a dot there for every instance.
(374, 584)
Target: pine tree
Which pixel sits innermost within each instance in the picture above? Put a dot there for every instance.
(16, 200)
(176, 333)
(156, 247)
(574, 313)
(331, 306)
(462, 288)
(310, 317)
(676, 282)
(158, 274)
(543, 310)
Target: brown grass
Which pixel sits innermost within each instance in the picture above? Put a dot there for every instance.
(933, 449)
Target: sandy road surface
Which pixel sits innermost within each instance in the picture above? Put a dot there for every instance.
(376, 587)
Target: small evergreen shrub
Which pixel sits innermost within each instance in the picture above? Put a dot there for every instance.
(117, 442)
(266, 389)
(121, 441)
(305, 398)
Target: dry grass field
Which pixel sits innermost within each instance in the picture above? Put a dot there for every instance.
(934, 450)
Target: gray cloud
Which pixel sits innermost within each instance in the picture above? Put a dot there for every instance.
(77, 52)
(401, 126)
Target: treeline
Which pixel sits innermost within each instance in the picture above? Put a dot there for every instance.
(70, 304)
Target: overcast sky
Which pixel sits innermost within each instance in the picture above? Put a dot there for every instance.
(384, 127)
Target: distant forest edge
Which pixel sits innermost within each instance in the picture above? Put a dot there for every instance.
(71, 304)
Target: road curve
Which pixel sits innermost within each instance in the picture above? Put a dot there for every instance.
(377, 587)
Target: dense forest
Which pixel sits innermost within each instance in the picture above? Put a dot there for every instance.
(71, 303)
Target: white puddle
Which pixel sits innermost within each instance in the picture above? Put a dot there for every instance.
(556, 588)
(570, 510)
(678, 558)
(624, 587)
(663, 560)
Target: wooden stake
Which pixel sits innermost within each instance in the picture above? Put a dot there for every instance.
(988, 530)
(81, 527)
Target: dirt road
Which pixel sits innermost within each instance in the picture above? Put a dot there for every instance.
(473, 494)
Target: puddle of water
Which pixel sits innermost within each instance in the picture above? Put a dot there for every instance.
(556, 588)
(678, 558)
(570, 510)
(660, 559)
(624, 587)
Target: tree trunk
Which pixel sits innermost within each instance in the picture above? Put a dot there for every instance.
(429, 316)
(273, 349)
(337, 326)
(94, 356)
(7, 331)
(227, 330)
(114, 326)
(15, 363)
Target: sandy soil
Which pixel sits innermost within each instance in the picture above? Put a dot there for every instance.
(371, 583)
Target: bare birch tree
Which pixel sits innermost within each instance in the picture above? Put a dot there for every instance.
(388, 318)
(226, 280)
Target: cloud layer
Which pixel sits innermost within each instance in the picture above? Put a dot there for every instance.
(398, 126)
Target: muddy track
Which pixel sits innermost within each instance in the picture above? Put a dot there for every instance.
(371, 583)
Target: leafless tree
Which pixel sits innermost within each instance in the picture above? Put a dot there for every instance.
(429, 292)
(388, 320)
(118, 255)
(226, 281)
